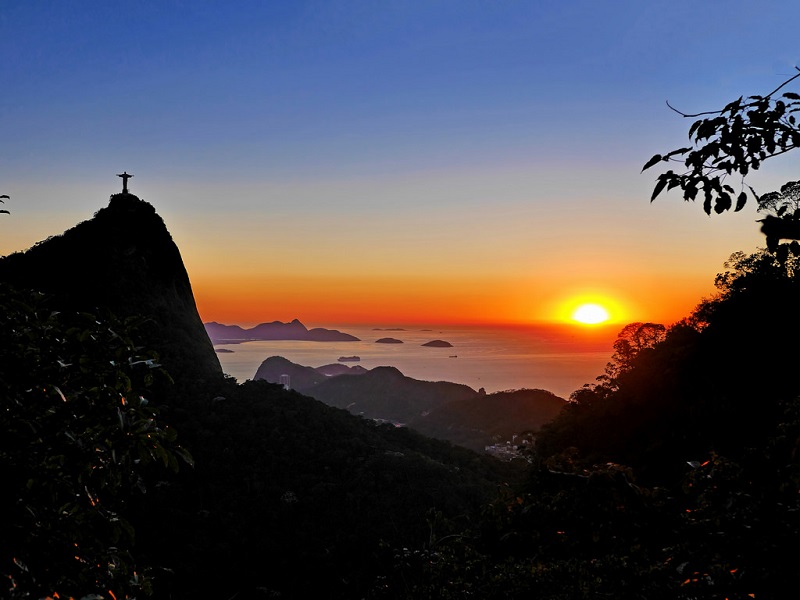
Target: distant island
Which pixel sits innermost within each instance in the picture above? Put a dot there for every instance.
(276, 330)
(438, 344)
(388, 340)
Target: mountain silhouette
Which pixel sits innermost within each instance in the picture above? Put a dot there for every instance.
(302, 379)
(123, 260)
(438, 409)
(276, 330)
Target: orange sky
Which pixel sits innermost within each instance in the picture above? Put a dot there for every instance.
(524, 258)
(342, 299)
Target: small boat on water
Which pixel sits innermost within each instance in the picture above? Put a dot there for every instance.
(349, 358)
(454, 356)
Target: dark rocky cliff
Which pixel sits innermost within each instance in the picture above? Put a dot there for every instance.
(123, 260)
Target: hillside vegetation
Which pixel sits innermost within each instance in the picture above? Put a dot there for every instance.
(677, 475)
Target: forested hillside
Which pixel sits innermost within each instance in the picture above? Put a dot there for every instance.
(675, 476)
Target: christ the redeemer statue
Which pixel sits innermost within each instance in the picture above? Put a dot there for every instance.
(125, 178)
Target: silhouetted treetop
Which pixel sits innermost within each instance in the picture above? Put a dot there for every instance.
(782, 220)
(785, 202)
(735, 139)
(631, 341)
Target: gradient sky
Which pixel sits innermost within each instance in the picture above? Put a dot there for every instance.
(389, 161)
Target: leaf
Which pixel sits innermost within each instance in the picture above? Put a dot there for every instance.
(656, 159)
(694, 127)
(662, 182)
(184, 454)
(741, 200)
(707, 202)
(58, 391)
(678, 151)
(733, 106)
(723, 203)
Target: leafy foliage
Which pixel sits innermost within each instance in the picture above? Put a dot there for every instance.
(78, 435)
(736, 139)
(785, 202)
(728, 529)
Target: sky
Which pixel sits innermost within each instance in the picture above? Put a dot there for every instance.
(392, 161)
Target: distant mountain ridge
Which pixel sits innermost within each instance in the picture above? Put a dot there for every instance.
(275, 330)
(302, 378)
(440, 409)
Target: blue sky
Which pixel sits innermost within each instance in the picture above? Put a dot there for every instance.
(496, 143)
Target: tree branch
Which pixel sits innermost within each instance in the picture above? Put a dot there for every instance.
(716, 112)
(785, 82)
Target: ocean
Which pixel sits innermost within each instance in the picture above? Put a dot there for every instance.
(560, 359)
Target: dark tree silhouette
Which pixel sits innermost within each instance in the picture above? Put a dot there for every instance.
(736, 139)
(6, 196)
(786, 202)
(782, 220)
(630, 342)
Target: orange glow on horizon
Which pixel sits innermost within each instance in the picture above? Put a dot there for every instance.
(321, 302)
(247, 300)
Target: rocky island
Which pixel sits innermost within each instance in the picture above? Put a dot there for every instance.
(438, 344)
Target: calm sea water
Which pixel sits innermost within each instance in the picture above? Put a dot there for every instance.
(556, 358)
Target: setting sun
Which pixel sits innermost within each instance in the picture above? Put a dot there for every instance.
(590, 314)
(592, 308)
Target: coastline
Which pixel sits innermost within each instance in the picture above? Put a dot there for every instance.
(558, 359)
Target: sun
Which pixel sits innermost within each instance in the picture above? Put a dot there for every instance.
(591, 309)
(590, 314)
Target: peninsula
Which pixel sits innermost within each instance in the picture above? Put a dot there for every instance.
(276, 330)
